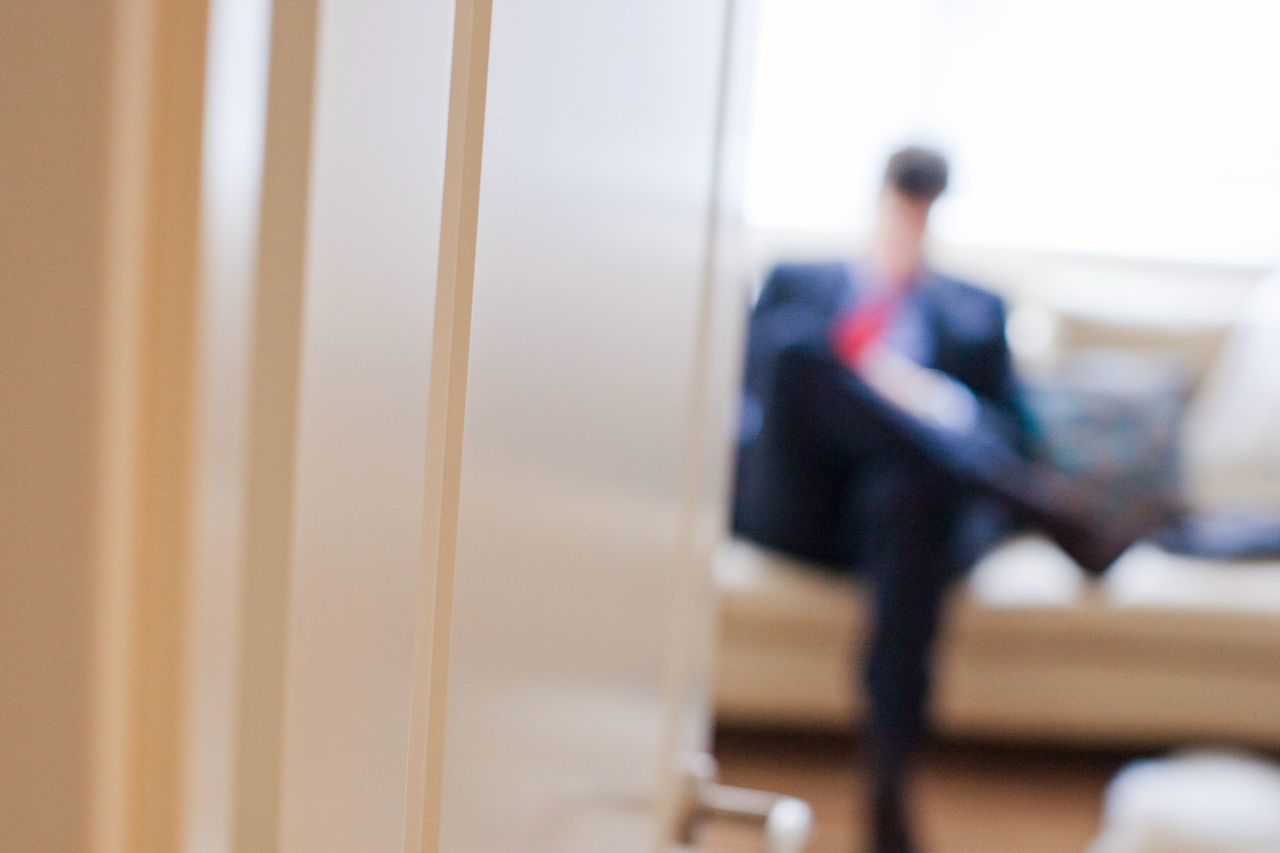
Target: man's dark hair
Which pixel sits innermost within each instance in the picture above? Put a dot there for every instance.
(918, 173)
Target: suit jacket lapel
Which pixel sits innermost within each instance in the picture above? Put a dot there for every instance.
(933, 306)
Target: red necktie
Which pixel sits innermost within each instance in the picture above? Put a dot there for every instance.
(857, 331)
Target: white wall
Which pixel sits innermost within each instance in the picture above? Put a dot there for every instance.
(378, 139)
(595, 198)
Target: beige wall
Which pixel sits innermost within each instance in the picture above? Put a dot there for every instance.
(53, 146)
(207, 645)
(99, 122)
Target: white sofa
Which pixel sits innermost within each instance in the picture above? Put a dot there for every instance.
(1162, 650)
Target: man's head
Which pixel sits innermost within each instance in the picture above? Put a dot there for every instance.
(913, 180)
(919, 174)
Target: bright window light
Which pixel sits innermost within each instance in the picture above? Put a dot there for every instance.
(1134, 127)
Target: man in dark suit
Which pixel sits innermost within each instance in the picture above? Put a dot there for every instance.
(882, 432)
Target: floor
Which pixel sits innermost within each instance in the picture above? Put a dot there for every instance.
(972, 798)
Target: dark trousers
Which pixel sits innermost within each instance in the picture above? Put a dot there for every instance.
(839, 476)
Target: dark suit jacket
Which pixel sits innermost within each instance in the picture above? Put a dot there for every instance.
(798, 305)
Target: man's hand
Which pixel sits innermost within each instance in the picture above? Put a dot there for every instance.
(929, 395)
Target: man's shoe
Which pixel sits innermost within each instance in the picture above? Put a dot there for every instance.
(1096, 542)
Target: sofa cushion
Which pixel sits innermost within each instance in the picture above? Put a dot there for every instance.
(1233, 429)
(1163, 648)
(1197, 802)
(1112, 419)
